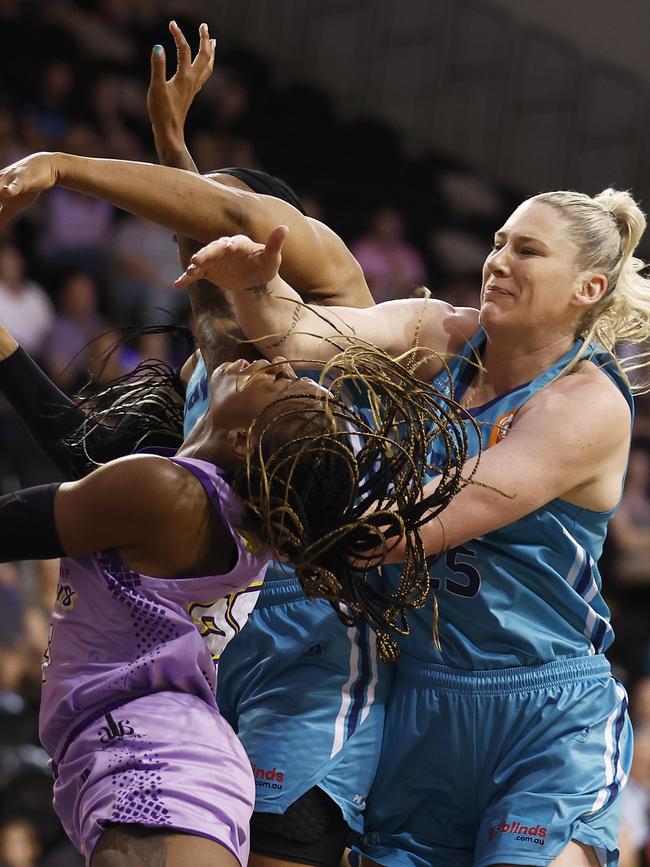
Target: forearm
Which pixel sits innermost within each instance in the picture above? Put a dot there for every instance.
(276, 319)
(173, 153)
(218, 334)
(27, 525)
(49, 415)
(187, 203)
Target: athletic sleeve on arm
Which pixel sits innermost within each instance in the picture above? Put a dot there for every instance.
(47, 412)
(27, 527)
(51, 416)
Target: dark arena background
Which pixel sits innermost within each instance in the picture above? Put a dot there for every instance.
(412, 127)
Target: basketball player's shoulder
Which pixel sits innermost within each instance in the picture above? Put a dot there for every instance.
(157, 486)
(457, 324)
(586, 400)
(590, 383)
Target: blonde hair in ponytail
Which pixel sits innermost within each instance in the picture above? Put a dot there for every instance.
(607, 229)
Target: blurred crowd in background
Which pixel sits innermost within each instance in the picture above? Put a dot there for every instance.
(74, 271)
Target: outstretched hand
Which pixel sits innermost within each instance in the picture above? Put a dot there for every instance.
(237, 263)
(21, 183)
(168, 102)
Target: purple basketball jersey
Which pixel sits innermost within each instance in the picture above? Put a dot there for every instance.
(117, 635)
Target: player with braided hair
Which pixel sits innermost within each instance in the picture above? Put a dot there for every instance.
(278, 465)
(289, 640)
(294, 668)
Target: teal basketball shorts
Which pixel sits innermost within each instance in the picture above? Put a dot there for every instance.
(503, 766)
(307, 698)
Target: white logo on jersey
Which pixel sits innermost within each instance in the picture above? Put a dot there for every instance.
(218, 622)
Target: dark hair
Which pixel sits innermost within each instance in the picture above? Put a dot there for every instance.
(331, 485)
(143, 408)
(264, 183)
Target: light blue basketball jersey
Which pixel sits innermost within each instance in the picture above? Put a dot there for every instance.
(531, 591)
(197, 397)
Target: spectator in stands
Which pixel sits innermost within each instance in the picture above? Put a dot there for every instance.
(57, 104)
(19, 844)
(66, 350)
(74, 233)
(392, 266)
(146, 265)
(630, 527)
(24, 306)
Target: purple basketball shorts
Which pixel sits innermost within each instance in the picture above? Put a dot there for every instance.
(165, 760)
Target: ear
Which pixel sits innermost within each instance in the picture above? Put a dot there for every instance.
(238, 442)
(591, 289)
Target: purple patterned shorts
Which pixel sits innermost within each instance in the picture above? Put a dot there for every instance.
(166, 760)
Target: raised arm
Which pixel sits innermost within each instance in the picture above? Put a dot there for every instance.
(273, 315)
(187, 203)
(168, 101)
(52, 418)
(316, 260)
(195, 207)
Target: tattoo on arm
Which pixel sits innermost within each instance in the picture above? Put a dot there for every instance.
(217, 331)
(220, 337)
(206, 298)
(295, 319)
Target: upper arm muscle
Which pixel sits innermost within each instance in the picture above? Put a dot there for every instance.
(152, 510)
(315, 260)
(572, 437)
(112, 506)
(393, 326)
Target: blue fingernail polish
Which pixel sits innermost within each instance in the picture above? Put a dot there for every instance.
(157, 49)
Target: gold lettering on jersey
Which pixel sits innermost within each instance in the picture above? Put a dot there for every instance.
(250, 543)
